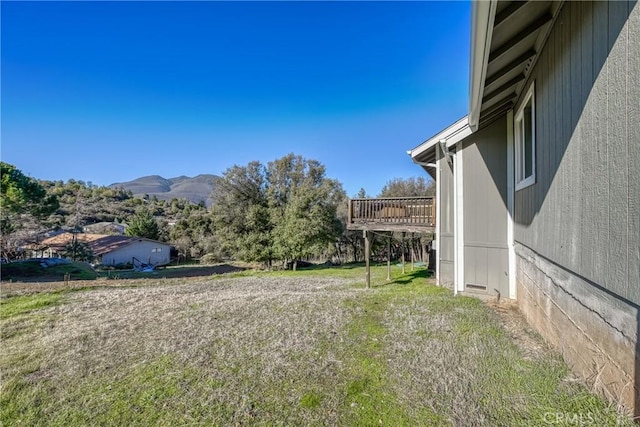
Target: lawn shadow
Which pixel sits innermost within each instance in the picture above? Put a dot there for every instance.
(407, 278)
(205, 270)
(328, 265)
(179, 272)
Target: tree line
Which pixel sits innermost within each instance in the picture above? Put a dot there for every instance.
(275, 214)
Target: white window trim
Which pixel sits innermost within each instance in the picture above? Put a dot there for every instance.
(530, 180)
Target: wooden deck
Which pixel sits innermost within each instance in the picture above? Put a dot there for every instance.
(408, 214)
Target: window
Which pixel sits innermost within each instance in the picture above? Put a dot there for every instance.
(156, 250)
(525, 137)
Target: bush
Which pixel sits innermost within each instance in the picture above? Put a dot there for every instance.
(121, 266)
(210, 259)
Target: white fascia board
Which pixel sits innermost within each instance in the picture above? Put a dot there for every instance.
(458, 136)
(483, 14)
(456, 132)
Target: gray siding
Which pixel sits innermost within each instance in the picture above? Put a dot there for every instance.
(446, 219)
(583, 212)
(484, 157)
(141, 250)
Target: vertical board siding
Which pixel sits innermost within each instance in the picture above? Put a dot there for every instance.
(633, 151)
(617, 142)
(485, 208)
(575, 146)
(598, 106)
(446, 219)
(583, 211)
(587, 173)
(542, 156)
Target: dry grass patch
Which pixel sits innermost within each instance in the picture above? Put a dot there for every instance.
(274, 349)
(230, 350)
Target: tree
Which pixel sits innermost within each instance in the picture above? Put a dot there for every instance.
(83, 204)
(20, 196)
(143, 224)
(285, 211)
(303, 204)
(194, 235)
(24, 204)
(409, 187)
(241, 214)
(362, 194)
(78, 251)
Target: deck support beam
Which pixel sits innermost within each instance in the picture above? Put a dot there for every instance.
(403, 251)
(411, 249)
(389, 258)
(367, 250)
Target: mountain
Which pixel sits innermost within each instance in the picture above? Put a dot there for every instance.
(195, 189)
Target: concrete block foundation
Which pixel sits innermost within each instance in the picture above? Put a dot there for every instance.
(595, 331)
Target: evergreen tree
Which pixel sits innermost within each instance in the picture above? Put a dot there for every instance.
(78, 251)
(143, 224)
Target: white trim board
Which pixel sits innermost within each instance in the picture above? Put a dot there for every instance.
(452, 135)
(510, 206)
(438, 218)
(458, 181)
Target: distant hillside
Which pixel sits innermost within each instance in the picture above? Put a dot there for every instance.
(195, 189)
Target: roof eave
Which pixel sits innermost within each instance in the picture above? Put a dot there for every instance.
(482, 18)
(448, 134)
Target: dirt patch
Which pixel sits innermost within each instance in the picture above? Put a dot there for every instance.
(526, 338)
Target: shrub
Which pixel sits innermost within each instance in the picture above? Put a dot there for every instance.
(210, 259)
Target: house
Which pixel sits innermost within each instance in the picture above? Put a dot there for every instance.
(538, 188)
(105, 228)
(113, 250)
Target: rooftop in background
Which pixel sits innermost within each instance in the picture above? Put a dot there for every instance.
(100, 243)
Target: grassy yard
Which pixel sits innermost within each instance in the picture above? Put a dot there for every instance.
(291, 348)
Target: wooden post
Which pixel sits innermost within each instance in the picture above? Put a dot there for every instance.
(367, 249)
(389, 258)
(403, 249)
(411, 251)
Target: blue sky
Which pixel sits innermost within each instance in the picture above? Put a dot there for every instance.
(111, 91)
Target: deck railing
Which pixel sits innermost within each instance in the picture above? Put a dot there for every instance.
(413, 211)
